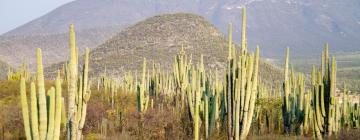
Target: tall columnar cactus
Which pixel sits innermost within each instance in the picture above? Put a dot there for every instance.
(194, 98)
(324, 95)
(25, 111)
(72, 126)
(143, 99)
(241, 86)
(42, 97)
(84, 95)
(36, 128)
(79, 91)
(58, 106)
(295, 101)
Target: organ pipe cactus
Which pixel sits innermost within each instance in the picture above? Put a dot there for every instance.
(36, 128)
(143, 99)
(79, 91)
(295, 116)
(241, 86)
(324, 95)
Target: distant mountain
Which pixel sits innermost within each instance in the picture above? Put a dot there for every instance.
(16, 50)
(303, 25)
(159, 39)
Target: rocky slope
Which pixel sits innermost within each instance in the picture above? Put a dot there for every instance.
(159, 39)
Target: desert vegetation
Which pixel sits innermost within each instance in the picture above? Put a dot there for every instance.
(185, 101)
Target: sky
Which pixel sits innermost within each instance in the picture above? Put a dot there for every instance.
(14, 13)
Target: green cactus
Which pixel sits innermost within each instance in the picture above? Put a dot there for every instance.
(34, 128)
(295, 114)
(324, 91)
(72, 126)
(25, 111)
(143, 99)
(79, 91)
(241, 86)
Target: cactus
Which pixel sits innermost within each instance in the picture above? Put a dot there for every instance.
(58, 106)
(295, 115)
(72, 126)
(25, 111)
(79, 91)
(42, 97)
(241, 86)
(143, 99)
(324, 92)
(36, 128)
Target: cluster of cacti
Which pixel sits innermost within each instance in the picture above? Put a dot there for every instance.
(350, 113)
(79, 91)
(241, 86)
(231, 102)
(142, 96)
(46, 117)
(268, 116)
(204, 92)
(16, 75)
(324, 102)
(295, 101)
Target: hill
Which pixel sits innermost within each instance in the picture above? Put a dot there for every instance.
(303, 25)
(159, 39)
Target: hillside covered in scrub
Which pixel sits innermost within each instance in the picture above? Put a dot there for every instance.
(159, 39)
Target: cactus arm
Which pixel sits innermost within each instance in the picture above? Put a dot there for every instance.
(58, 107)
(34, 113)
(51, 117)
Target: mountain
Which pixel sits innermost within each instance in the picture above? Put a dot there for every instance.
(159, 39)
(16, 50)
(303, 25)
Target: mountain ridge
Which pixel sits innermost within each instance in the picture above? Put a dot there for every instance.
(302, 25)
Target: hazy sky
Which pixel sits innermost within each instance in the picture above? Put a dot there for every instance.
(14, 13)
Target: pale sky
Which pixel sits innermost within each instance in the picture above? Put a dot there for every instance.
(14, 13)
